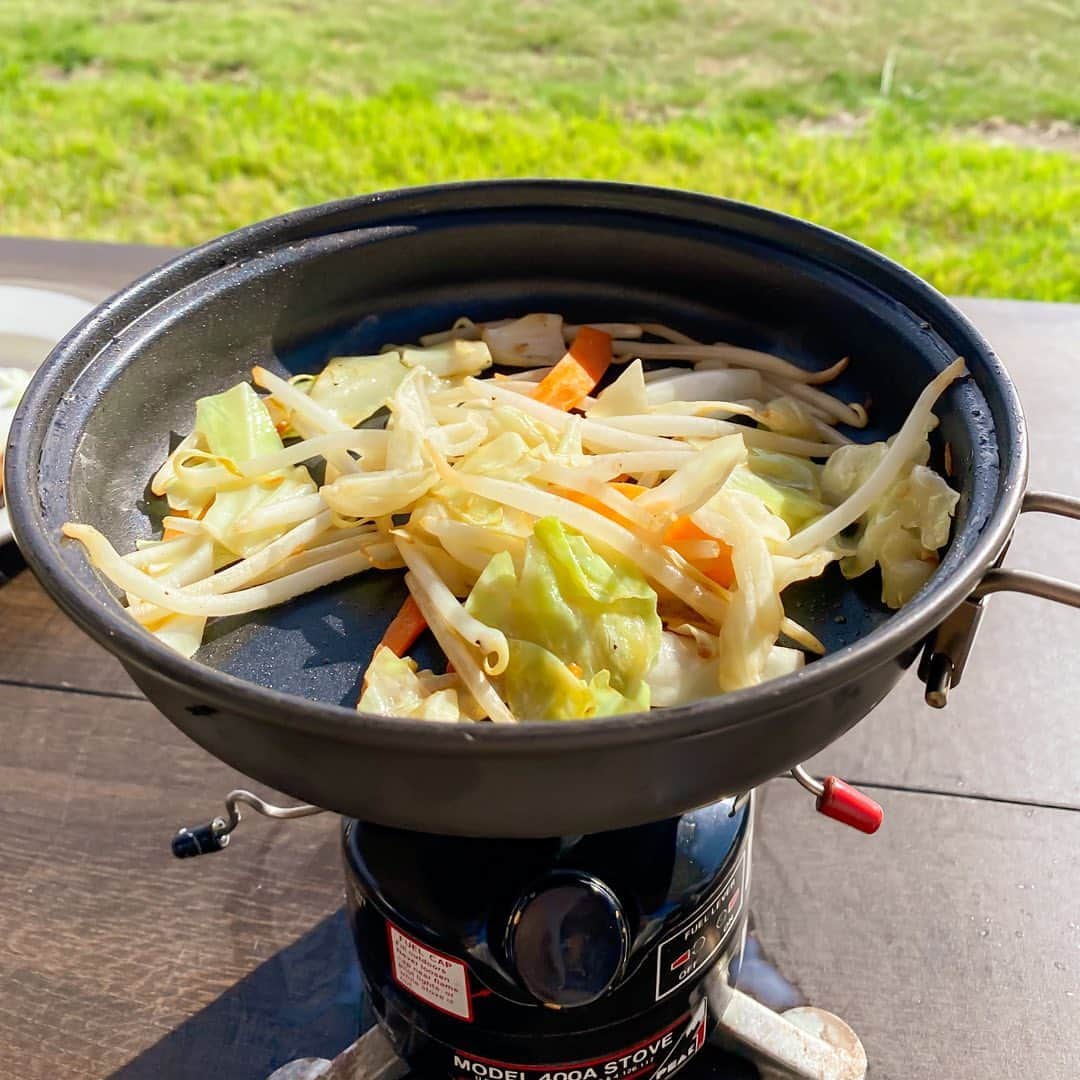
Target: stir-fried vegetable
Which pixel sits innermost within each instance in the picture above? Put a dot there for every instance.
(393, 687)
(904, 528)
(582, 630)
(578, 545)
(577, 373)
(408, 624)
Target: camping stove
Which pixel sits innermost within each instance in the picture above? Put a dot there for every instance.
(573, 958)
(607, 956)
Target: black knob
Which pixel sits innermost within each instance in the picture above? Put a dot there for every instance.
(567, 939)
(202, 840)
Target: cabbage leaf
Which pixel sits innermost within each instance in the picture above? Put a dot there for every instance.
(236, 424)
(356, 387)
(392, 687)
(625, 396)
(229, 506)
(530, 341)
(449, 358)
(904, 529)
(685, 671)
(787, 485)
(582, 630)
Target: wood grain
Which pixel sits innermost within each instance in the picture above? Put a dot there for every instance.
(950, 941)
(40, 646)
(108, 945)
(116, 960)
(90, 270)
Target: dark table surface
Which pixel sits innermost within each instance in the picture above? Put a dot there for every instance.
(950, 940)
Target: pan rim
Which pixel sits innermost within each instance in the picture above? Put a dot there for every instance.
(110, 626)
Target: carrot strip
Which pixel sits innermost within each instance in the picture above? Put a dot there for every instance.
(407, 626)
(172, 534)
(683, 528)
(571, 380)
(720, 569)
(592, 503)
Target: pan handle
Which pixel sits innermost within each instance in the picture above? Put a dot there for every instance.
(837, 799)
(946, 653)
(215, 835)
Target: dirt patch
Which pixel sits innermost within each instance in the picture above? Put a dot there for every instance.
(1057, 135)
(841, 123)
(473, 95)
(752, 72)
(232, 70)
(719, 67)
(54, 73)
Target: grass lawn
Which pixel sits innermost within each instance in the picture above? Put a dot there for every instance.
(945, 137)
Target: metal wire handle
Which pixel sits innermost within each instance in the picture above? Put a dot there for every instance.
(945, 657)
(204, 839)
(1022, 581)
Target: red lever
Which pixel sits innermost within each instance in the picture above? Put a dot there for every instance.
(849, 805)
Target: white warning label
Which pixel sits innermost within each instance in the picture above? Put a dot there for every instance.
(439, 980)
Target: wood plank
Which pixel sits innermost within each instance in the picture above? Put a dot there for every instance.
(41, 646)
(90, 270)
(1010, 728)
(109, 945)
(117, 960)
(950, 941)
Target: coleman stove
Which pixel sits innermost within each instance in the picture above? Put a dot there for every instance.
(596, 957)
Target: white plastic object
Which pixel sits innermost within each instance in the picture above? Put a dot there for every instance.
(32, 321)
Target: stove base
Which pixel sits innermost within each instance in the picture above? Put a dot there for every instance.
(803, 1043)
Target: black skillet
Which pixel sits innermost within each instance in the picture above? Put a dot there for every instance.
(273, 694)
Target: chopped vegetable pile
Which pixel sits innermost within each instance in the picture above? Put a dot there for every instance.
(575, 551)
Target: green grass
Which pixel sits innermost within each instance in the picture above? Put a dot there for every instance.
(173, 121)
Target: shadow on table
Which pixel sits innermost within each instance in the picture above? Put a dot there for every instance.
(308, 1001)
(305, 1001)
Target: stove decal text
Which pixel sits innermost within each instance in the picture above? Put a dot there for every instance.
(433, 977)
(658, 1057)
(694, 945)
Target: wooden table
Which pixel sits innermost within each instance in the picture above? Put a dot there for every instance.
(950, 941)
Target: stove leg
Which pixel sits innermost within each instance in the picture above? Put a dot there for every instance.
(806, 1042)
(371, 1057)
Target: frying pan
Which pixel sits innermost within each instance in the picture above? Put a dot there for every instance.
(273, 694)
